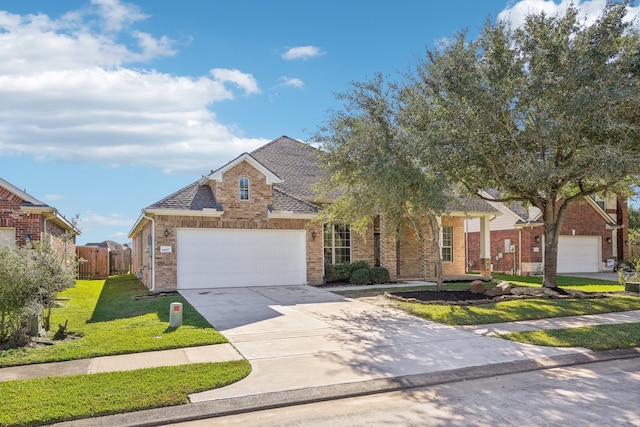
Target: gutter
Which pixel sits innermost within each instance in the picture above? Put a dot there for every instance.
(152, 251)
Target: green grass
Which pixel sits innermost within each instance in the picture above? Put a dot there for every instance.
(111, 322)
(55, 399)
(526, 309)
(602, 337)
(565, 282)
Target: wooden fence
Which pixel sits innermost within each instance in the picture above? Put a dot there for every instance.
(100, 263)
(119, 262)
(94, 262)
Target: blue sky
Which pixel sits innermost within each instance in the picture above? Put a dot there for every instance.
(107, 106)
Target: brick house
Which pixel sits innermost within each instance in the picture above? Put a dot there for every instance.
(250, 223)
(594, 237)
(23, 219)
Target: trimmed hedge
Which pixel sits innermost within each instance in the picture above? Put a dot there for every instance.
(360, 276)
(379, 275)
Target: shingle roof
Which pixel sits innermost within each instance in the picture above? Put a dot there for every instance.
(285, 202)
(192, 197)
(297, 163)
(470, 204)
(516, 207)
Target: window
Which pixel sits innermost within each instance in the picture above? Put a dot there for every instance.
(244, 188)
(337, 244)
(447, 243)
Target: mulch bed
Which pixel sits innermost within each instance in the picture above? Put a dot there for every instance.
(469, 298)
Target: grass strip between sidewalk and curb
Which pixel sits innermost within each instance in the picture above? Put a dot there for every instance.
(107, 320)
(597, 338)
(54, 399)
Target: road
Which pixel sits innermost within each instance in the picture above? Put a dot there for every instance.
(595, 394)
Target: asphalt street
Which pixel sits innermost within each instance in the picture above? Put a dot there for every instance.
(595, 394)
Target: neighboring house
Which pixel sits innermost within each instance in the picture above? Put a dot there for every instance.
(23, 219)
(593, 238)
(250, 223)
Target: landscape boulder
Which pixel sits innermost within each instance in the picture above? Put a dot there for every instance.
(502, 288)
(476, 287)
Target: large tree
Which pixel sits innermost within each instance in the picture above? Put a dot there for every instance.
(548, 113)
(373, 168)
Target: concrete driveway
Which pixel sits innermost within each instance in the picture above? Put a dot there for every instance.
(299, 337)
(606, 275)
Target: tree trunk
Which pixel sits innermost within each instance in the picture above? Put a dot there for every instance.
(434, 229)
(552, 226)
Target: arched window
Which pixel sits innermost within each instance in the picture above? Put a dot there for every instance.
(244, 188)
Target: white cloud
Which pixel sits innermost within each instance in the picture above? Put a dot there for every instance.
(291, 82)
(242, 80)
(117, 15)
(302, 52)
(67, 94)
(516, 12)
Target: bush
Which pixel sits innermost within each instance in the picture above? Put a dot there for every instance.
(379, 275)
(30, 278)
(357, 266)
(330, 273)
(360, 276)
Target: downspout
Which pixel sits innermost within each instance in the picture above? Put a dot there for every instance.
(519, 251)
(152, 251)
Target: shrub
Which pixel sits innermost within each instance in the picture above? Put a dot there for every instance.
(330, 273)
(360, 277)
(379, 275)
(357, 266)
(344, 272)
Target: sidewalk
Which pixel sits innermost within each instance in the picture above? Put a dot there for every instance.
(123, 362)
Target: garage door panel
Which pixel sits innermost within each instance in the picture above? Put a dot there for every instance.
(579, 254)
(232, 258)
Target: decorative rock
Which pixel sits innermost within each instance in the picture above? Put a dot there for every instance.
(502, 288)
(476, 287)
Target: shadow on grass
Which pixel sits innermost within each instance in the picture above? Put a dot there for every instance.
(116, 301)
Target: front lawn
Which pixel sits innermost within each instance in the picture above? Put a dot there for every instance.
(601, 337)
(107, 320)
(566, 282)
(526, 309)
(55, 399)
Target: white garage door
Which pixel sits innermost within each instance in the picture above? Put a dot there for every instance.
(210, 258)
(578, 254)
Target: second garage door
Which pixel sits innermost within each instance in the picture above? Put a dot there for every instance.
(209, 258)
(578, 254)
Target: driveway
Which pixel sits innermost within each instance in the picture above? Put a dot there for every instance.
(607, 275)
(299, 337)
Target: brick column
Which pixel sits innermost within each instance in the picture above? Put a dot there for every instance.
(485, 246)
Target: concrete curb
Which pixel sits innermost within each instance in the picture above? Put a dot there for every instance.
(231, 406)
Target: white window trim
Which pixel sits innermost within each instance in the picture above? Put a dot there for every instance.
(442, 227)
(333, 244)
(248, 189)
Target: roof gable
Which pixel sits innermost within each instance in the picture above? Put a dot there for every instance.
(27, 199)
(217, 175)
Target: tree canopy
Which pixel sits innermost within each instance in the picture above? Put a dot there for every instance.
(548, 113)
(373, 167)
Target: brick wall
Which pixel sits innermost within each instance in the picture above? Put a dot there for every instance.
(23, 223)
(228, 193)
(581, 219)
